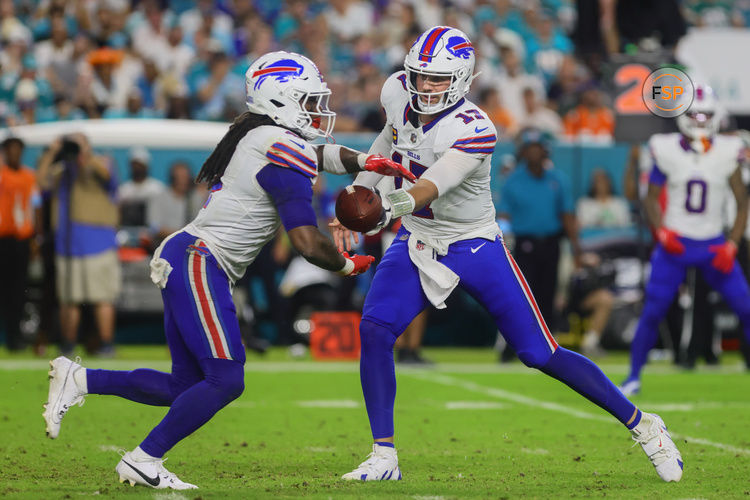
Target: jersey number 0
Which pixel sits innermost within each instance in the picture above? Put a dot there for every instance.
(695, 196)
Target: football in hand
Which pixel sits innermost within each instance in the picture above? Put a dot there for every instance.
(359, 208)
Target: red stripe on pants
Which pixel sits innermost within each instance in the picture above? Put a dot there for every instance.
(205, 307)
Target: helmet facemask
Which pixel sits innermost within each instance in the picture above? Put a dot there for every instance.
(434, 102)
(701, 124)
(314, 118)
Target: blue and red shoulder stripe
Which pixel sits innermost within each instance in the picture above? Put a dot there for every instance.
(286, 155)
(479, 144)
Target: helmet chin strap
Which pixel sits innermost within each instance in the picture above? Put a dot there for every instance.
(701, 144)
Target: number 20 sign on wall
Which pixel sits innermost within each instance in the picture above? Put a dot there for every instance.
(641, 95)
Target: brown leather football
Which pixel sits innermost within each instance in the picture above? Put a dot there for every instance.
(359, 208)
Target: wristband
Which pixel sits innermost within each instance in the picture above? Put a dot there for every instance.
(401, 201)
(362, 159)
(348, 267)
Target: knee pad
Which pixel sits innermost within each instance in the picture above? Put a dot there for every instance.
(226, 376)
(375, 336)
(534, 359)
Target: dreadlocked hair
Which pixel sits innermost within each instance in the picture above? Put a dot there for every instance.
(215, 165)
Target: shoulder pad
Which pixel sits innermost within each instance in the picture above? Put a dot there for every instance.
(394, 95)
(657, 142)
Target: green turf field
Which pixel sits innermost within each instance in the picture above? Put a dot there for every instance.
(466, 428)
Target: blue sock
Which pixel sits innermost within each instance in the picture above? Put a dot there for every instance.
(377, 372)
(386, 444)
(224, 382)
(145, 386)
(588, 380)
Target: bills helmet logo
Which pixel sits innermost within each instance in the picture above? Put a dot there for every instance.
(460, 47)
(282, 70)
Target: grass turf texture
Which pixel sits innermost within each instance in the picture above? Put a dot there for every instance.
(467, 428)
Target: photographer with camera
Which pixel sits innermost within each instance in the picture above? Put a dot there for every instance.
(84, 216)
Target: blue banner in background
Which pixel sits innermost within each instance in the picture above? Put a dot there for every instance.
(577, 161)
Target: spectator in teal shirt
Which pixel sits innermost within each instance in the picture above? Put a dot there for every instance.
(538, 202)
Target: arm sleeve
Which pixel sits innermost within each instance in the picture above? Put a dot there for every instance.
(452, 169)
(381, 146)
(291, 192)
(332, 159)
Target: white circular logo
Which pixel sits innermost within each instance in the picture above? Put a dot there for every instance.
(668, 92)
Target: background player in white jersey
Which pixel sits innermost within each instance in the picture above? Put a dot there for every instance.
(449, 238)
(699, 168)
(261, 175)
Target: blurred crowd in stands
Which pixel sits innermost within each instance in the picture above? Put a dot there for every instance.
(540, 59)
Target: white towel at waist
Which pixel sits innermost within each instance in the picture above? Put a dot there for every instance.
(160, 269)
(437, 280)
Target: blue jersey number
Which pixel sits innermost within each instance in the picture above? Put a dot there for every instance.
(470, 115)
(695, 199)
(417, 170)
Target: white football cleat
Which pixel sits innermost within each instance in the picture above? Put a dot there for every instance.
(64, 392)
(381, 465)
(631, 387)
(651, 433)
(149, 473)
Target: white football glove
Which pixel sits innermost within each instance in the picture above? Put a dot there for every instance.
(395, 204)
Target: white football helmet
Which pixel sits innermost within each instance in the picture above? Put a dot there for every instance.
(440, 51)
(703, 118)
(289, 88)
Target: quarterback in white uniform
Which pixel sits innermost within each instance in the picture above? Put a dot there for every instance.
(449, 238)
(700, 169)
(261, 176)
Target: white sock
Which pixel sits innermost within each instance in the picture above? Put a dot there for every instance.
(643, 425)
(141, 456)
(79, 376)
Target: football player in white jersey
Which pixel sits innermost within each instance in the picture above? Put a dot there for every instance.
(261, 175)
(700, 169)
(449, 238)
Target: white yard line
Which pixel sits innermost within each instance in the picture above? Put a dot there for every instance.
(170, 496)
(547, 405)
(690, 406)
(475, 405)
(110, 447)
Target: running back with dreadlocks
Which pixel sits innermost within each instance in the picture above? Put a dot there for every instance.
(215, 165)
(261, 176)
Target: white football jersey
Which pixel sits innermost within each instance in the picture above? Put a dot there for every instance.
(466, 209)
(697, 183)
(239, 216)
